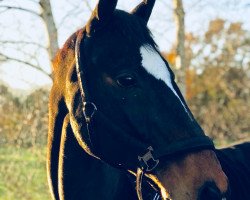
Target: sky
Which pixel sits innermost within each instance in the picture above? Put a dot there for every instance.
(22, 26)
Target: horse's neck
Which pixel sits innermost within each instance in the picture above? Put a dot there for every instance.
(85, 177)
(235, 162)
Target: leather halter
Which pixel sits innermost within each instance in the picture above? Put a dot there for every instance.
(148, 158)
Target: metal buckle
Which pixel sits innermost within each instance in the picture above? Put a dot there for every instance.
(148, 161)
(89, 110)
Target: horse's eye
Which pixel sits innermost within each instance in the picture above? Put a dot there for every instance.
(126, 80)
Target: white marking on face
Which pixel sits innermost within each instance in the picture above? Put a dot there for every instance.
(154, 65)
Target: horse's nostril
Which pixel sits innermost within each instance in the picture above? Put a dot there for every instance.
(210, 192)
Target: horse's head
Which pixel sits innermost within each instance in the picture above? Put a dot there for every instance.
(142, 119)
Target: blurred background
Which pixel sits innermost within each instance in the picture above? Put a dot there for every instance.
(207, 43)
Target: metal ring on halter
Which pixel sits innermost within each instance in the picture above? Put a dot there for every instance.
(88, 114)
(147, 161)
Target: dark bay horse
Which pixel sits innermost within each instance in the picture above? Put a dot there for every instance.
(119, 127)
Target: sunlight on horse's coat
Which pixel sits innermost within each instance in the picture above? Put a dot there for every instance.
(90, 151)
(154, 65)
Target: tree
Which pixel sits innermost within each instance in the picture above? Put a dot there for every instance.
(180, 64)
(49, 21)
(30, 59)
(219, 79)
(29, 49)
(23, 122)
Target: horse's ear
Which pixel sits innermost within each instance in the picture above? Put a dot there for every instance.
(144, 9)
(101, 14)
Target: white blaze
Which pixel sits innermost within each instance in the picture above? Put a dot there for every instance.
(154, 65)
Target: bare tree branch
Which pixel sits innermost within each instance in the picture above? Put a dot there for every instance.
(8, 58)
(179, 16)
(6, 8)
(75, 11)
(33, 1)
(48, 18)
(193, 6)
(88, 5)
(31, 83)
(22, 42)
(70, 13)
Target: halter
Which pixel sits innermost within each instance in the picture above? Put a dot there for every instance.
(149, 158)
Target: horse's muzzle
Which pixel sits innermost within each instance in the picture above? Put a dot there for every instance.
(209, 191)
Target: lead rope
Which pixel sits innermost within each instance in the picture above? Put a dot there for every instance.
(139, 176)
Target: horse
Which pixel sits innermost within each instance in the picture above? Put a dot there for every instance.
(119, 127)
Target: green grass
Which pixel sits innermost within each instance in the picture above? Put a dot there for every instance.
(23, 174)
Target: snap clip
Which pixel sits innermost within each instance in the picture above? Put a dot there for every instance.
(89, 110)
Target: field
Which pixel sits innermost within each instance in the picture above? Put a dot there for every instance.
(23, 174)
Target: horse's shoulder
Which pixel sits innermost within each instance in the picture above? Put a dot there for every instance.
(235, 162)
(236, 155)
